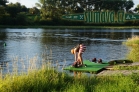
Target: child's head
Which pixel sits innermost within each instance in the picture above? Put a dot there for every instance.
(94, 60)
(100, 61)
(81, 44)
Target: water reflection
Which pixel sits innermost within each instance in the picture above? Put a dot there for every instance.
(3, 36)
(23, 43)
(94, 38)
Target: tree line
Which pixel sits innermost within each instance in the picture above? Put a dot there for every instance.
(49, 12)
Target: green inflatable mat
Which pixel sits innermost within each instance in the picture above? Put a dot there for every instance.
(91, 67)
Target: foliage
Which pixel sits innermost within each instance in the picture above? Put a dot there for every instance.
(133, 43)
(49, 80)
(21, 18)
(13, 9)
(98, 5)
(114, 5)
(37, 18)
(137, 8)
(55, 8)
(3, 2)
(6, 19)
(49, 9)
(118, 67)
(34, 10)
(2, 10)
(52, 10)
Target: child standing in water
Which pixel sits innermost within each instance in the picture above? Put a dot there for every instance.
(78, 51)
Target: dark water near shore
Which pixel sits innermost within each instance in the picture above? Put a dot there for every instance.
(24, 44)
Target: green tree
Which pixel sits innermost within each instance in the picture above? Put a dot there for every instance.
(128, 5)
(49, 9)
(17, 14)
(2, 10)
(79, 6)
(2, 6)
(137, 9)
(24, 8)
(34, 10)
(108, 5)
(3, 2)
(13, 9)
(21, 19)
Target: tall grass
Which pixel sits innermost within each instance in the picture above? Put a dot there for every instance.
(48, 79)
(133, 43)
(51, 81)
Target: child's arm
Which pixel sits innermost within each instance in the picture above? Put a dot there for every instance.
(75, 53)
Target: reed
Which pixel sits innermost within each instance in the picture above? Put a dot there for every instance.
(52, 81)
(133, 44)
(47, 79)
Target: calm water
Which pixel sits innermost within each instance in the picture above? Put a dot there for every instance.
(25, 44)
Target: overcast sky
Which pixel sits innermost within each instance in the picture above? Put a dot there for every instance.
(31, 3)
(27, 3)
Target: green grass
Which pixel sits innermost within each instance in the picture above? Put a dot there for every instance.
(117, 67)
(48, 79)
(133, 43)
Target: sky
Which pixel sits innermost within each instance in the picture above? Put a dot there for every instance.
(31, 3)
(27, 3)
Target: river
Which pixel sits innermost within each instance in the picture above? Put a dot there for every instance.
(23, 45)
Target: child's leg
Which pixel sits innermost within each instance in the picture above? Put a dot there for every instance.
(80, 58)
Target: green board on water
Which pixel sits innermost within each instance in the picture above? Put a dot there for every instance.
(91, 67)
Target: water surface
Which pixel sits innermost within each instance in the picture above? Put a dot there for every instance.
(23, 44)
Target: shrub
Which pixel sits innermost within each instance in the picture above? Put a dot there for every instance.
(134, 50)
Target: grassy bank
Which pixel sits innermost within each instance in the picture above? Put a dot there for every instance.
(73, 27)
(133, 43)
(118, 67)
(49, 80)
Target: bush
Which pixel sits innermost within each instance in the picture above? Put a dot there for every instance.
(46, 22)
(21, 19)
(134, 51)
(6, 20)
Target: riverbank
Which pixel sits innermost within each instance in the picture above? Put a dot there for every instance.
(48, 79)
(120, 69)
(74, 27)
